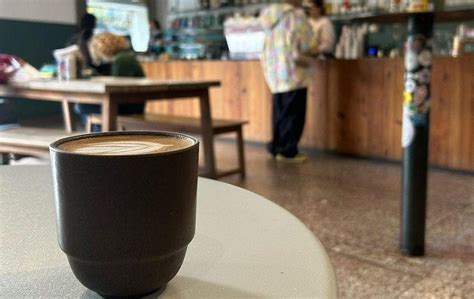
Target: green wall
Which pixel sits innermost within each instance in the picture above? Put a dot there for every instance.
(34, 42)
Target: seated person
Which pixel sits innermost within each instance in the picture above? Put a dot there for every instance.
(109, 48)
(82, 39)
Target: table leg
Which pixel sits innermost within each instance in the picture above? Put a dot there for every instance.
(207, 136)
(67, 116)
(4, 158)
(109, 115)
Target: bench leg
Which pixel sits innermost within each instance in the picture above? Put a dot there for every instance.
(241, 152)
(4, 158)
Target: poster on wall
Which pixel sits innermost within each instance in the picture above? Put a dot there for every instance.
(123, 17)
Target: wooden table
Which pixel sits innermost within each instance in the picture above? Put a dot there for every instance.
(109, 92)
(245, 246)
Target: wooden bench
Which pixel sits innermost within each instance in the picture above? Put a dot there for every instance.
(191, 125)
(28, 141)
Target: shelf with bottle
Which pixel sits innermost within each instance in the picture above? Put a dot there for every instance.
(393, 11)
(449, 15)
(192, 31)
(194, 42)
(210, 22)
(226, 9)
(387, 40)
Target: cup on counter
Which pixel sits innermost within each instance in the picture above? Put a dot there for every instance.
(66, 62)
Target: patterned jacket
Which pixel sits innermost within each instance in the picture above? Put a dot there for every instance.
(288, 35)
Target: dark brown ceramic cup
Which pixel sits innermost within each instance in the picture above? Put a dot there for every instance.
(125, 221)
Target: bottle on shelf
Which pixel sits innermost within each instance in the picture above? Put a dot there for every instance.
(224, 3)
(205, 4)
(214, 3)
(418, 5)
(395, 5)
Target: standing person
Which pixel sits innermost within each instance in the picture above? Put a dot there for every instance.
(155, 44)
(107, 48)
(322, 27)
(288, 39)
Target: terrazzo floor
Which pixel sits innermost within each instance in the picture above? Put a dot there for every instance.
(353, 207)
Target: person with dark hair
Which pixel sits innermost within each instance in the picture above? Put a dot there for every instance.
(87, 26)
(108, 48)
(82, 39)
(322, 27)
(155, 26)
(155, 43)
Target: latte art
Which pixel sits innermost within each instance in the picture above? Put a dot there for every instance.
(112, 148)
(117, 145)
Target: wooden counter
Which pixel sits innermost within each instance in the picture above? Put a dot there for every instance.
(354, 106)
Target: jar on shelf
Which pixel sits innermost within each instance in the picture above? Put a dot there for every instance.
(418, 5)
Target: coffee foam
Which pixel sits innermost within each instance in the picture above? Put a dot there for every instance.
(127, 144)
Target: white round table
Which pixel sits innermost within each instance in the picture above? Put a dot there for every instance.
(245, 246)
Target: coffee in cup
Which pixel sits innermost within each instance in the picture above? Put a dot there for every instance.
(126, 207)
(126, 145)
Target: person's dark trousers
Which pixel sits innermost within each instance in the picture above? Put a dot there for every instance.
(289, 113)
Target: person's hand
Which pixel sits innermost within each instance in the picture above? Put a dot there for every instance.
(304, 60)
